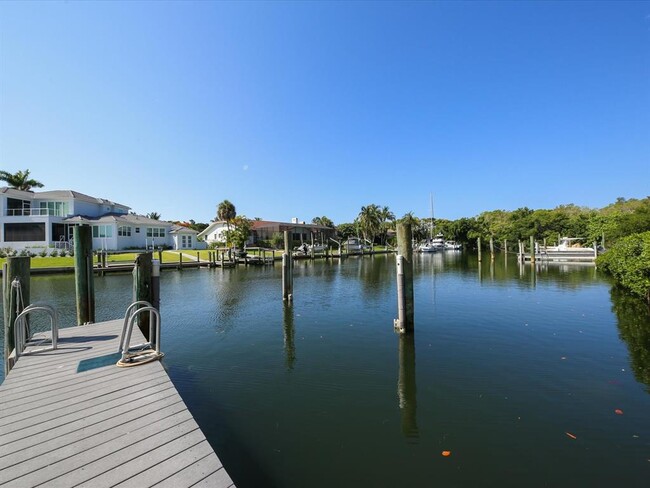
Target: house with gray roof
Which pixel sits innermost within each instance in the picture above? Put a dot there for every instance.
(36, 220)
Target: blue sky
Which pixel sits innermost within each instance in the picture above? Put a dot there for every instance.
(293, 109)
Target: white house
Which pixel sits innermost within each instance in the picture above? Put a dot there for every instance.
(215, 232)
(32, 220)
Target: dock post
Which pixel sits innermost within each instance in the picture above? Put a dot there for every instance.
(505, 246)
(532, 249)
(287, 270)
(15, 297)
(198, 259)
(155, 284)
(478, 244)
(143, 287)
(180, 261)
(311, 249)
(83, 274)
(491, 247)
(160, 257)
(405, 307)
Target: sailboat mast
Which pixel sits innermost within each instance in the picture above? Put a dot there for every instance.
(431, 226)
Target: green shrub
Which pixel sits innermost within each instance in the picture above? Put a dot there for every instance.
(628, 261)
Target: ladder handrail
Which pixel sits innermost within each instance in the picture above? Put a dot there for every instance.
(127, 316)
(154, 339)
(20, 329)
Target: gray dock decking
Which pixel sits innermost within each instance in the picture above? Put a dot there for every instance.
(70, 417)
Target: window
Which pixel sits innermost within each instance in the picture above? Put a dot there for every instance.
(25, 232)
(124, 231)
(58, 209)
(186, 241)
(17, 207)
(102, 231)
(155, 232)
(137, 230)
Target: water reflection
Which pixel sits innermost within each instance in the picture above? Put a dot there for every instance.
(633, 317)
(289, 333)
(406, 387)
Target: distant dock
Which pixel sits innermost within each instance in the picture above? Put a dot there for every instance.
(71, 417)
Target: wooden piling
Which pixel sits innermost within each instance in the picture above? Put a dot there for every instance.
(505, 246)
(83, 274)
(491, 247)
(180, 261)
(532, 249)
(311, 249)
(155, 284)
(143, 287)
(405, 321)
(287, 270)
(478, 244)
(15, 297)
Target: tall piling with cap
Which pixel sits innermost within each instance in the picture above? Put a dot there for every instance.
(287, 269)
(83, 274)
(478, 245)
(15, 297)
(404, 261)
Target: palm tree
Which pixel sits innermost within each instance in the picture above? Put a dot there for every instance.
(324, 221)
(226, 211)
(387, 221)
(153, 216)
(370, 221)
(20, 180)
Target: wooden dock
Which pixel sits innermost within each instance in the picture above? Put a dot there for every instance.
(71, 417)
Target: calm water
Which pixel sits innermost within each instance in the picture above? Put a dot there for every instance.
(505, 361)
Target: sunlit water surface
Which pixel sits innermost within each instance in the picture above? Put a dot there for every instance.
(505, 362)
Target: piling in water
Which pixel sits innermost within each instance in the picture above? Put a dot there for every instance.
(83, 274)
(287, 270)
(405, 307)
(532, 249)
(15, 297)
(143, 289)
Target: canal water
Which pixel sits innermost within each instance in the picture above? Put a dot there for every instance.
(520, 376)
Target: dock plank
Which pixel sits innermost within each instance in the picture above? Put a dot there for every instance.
(71, 417)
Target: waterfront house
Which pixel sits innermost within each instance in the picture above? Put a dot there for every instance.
(215, 233)
(263, 230)
(40, 220)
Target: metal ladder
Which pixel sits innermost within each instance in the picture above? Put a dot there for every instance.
(147, 351)
(21, 330)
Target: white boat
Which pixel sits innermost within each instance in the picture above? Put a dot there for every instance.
(434, 244)
(354, 244)
(568, 249)
(453, 246)
(305, 249)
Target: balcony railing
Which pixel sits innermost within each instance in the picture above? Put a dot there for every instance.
(32, 212)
